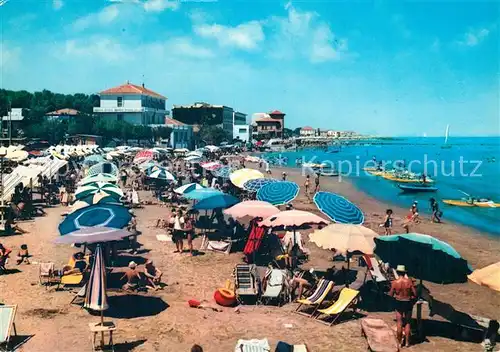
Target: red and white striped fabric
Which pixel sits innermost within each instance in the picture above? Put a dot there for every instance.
(211, 165)
(143, 156)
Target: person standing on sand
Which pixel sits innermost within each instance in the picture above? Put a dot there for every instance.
(412, 217)
(436, 214)
(316, 183)
(388, 222)
(178, 232)
(404, 292)
(307, 183)
(283, 176)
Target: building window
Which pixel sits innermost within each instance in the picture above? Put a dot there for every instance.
(119, 102)
(242, 130)
(119, 117)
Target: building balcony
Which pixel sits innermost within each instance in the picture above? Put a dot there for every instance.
(123, 109)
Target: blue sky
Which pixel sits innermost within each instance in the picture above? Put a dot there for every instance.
(381, 67)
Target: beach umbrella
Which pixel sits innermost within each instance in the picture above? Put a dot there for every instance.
(99, 197)
(144, 155)
(223, 171)
(92, 160)
(161, 174)
(488, 276)
(107, 215)
(107, 178)
(345, 238)
(93, 235)
(216, 201)
(17, 155)
(195, 153)
(293, 218)
(103, 168)
(91, 188)
(239, 177)
(148, 164)
(278, 193)
(79, 204)
(200, 194)
(211, 165)
(95, 294)
(255, 184)
(253, 209)
(424, 257)
(152, 168)
(338, 208)
(188, 188)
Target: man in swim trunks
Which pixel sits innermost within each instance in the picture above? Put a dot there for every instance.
(404, 293)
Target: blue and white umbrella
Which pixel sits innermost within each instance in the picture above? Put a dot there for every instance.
(200, 194)
(188, 188)
(223, 171)
(257, 183)
(162, 174)
(216, 201)
(95, 295)
(92, 160)
(106, 215)
(338, 208)
(278, 193)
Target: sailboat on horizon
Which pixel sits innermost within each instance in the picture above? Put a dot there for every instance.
(446, 134)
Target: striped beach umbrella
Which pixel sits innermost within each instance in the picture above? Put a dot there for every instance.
(92, 160)
(239, 177)
(92, 188)
(99, 197)
(338, 208)
(278, 193)
(95, 295)
(107, 178)
(256, 184)
(216, 201)
(143, 156)
(161, 174)
(188, 188)
(211, 165)
(93, 235)
(103, 168)
(223, 171)
(106, 215)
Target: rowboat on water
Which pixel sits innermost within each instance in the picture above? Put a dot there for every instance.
(481, 203)
(417, 188)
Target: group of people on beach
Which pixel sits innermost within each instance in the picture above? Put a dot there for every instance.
(413, 217)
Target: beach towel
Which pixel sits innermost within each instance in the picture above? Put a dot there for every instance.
(254, 240)
(164, 238)
(379, 335)
(252, 346)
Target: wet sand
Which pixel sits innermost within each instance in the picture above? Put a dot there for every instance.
(59, 326)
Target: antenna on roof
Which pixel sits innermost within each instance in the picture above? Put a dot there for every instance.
(143, 80)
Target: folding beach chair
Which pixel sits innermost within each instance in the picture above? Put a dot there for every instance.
(347, 298)
(375, 274)
(275, 287)
(314, 301)
(7, 315)
(46, 274)
(79, 296)
(246, 282)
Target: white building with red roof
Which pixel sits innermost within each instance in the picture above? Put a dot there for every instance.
(133, 104)
(307, 131)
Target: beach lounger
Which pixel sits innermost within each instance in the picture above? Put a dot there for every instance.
(347, 298)
(46, 274)
(380, 337)
(314, 301)
(275, 287)
(71, 279)
(7, 315)
(374, 271)
(246, 282)
(252, 346)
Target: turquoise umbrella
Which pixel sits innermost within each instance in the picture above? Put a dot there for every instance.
(425, 257)
(106, 215)
(278, 193)
(216, 202)
(200, 194)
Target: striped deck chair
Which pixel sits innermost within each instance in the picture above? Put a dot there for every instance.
(7, 325)
(347, 298)
(314, 301)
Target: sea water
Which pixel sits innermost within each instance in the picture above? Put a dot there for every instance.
(469, 166)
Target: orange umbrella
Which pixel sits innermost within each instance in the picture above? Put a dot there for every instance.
(253, 209)
(488, 276)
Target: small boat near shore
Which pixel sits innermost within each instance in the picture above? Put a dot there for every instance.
(422, 187)
(481, 203)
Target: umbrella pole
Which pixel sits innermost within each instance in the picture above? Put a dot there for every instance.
(348, 269)
(420, 331)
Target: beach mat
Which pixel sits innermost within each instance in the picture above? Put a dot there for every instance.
(380, 337)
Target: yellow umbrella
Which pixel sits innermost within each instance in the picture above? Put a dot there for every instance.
(488, 276)
(345, 238)
(239, 177)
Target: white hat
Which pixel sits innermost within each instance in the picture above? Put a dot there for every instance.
(401, 269)
(132, 265)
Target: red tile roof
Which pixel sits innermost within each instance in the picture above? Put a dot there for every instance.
(307, 128)
(129, 88)
(267, 119)
(170, 121)
(276, 112)
(72, 112)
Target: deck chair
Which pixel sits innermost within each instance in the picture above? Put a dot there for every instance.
(7, 315)
(275, 287)
(71, 279)
(246, 281)
(314, 301)
(347, 298)
(374, 272)
(79, 296)
(46, 274)
(379, 336)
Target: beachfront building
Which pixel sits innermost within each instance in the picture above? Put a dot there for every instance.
(201, 113)
(62, 114)
(307, 131)
(181, 135)
(134, 104)
(242, 133)
(268, 125)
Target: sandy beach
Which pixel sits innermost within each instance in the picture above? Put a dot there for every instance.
(57, 325)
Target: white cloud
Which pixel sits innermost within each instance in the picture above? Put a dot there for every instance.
(161, 5)
(185, 47)
(106, 16)
(474, 36)
(304, 34)
(57, 4)
(100, 48)
(9, 56)
(245, 36)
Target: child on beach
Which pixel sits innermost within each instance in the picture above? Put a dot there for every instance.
(412, 217)
(23, 255)
(388, 222)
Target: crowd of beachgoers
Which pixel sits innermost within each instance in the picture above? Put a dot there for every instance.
(229, 234)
